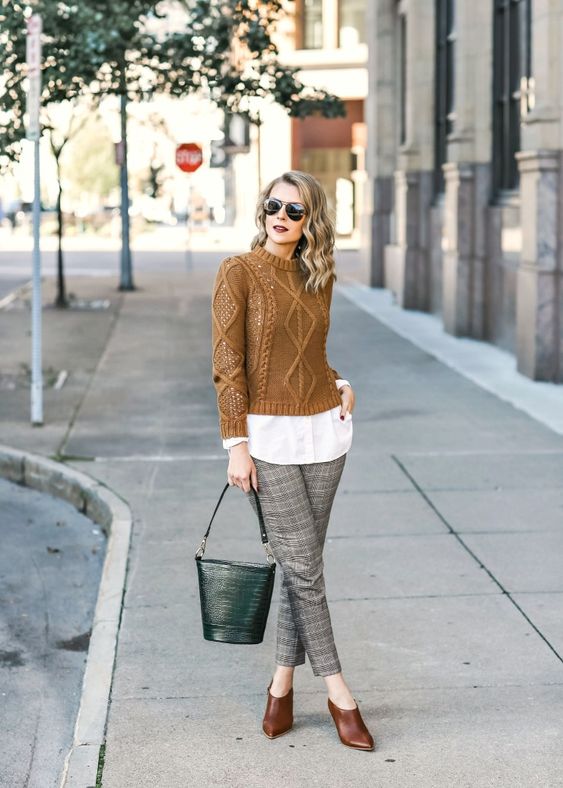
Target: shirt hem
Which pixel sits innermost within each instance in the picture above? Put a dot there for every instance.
(303, 462)
(289, 409)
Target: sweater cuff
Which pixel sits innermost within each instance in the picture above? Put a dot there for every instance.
(233, 428)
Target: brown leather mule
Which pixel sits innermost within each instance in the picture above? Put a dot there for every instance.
(278, 717)
(351, 727)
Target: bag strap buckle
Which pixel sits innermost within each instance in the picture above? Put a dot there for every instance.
(201, 549)
(269, 553)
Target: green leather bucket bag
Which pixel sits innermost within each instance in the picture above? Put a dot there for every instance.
(235, 596)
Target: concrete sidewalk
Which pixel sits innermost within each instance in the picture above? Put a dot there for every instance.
(442, 561)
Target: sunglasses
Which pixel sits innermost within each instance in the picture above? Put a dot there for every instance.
(295, 211)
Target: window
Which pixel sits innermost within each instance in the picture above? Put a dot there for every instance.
(512, 87)
(351, 23)
(312, 24)
(444, 98)
(402, 77)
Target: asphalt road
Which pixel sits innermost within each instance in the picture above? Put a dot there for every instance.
(16, 265)
(50, 566)
(10, 283)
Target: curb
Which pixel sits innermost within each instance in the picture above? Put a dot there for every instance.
(113, 515)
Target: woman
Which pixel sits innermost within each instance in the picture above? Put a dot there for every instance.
(285, 418)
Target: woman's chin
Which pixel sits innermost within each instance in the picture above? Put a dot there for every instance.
(281, 243)
(280, 238)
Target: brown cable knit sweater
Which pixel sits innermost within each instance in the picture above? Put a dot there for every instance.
(269, 341)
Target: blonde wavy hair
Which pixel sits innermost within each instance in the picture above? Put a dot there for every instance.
(316, 245)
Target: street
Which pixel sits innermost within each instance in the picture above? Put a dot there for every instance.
(9, 284)
(50, 567)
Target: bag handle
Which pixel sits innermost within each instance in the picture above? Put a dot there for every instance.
(201, 549)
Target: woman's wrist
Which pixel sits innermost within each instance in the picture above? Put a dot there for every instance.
(239, 447)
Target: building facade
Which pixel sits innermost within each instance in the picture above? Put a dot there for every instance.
(464, 201)
(326, 41)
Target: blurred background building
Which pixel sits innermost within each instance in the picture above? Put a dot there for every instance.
(464, 209)
(326, 40)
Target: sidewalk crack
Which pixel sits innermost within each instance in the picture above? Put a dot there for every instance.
(66, 437)
(474, 556)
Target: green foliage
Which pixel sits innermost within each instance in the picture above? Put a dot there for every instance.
(232, 55)
(66, 70)
(96, 173)
(95, 48)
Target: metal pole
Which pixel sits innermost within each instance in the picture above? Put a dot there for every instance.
(36, 371)
(33, 132)
(259, 163)
(126, 282)
(189, 257)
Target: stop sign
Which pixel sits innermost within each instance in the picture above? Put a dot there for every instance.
(189, 156)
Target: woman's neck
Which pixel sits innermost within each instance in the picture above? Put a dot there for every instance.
(285, 251)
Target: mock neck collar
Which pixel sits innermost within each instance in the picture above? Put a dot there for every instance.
(278, 262)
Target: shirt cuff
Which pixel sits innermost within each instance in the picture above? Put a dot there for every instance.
(341, 382)
(228, 442)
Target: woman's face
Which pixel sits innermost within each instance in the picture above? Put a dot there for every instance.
(282, 231)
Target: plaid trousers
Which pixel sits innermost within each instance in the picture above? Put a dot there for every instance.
(296, 501)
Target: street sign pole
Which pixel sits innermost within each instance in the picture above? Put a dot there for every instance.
(33, 132)
(189, 157)
(189, 260)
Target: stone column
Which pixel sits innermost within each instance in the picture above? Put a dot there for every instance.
(539, 306)
(539, 312)
(466, 244)
(407, 257)
(377, 228)
(381, 151)
(410, 257)
(466, 255)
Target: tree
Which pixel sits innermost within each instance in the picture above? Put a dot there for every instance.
(234, 55)
(237, 60)
(96, 48)
(66, 72)
(93, 176)
(61, 132)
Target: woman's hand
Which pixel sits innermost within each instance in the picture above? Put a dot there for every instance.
(242, 471)
(348, 399)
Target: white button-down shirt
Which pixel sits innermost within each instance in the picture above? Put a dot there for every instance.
(297, 440)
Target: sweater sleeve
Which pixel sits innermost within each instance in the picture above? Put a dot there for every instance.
(328, 289)
(228, 308)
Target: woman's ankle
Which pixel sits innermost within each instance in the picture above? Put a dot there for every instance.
(282, 679)
(339, 692)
